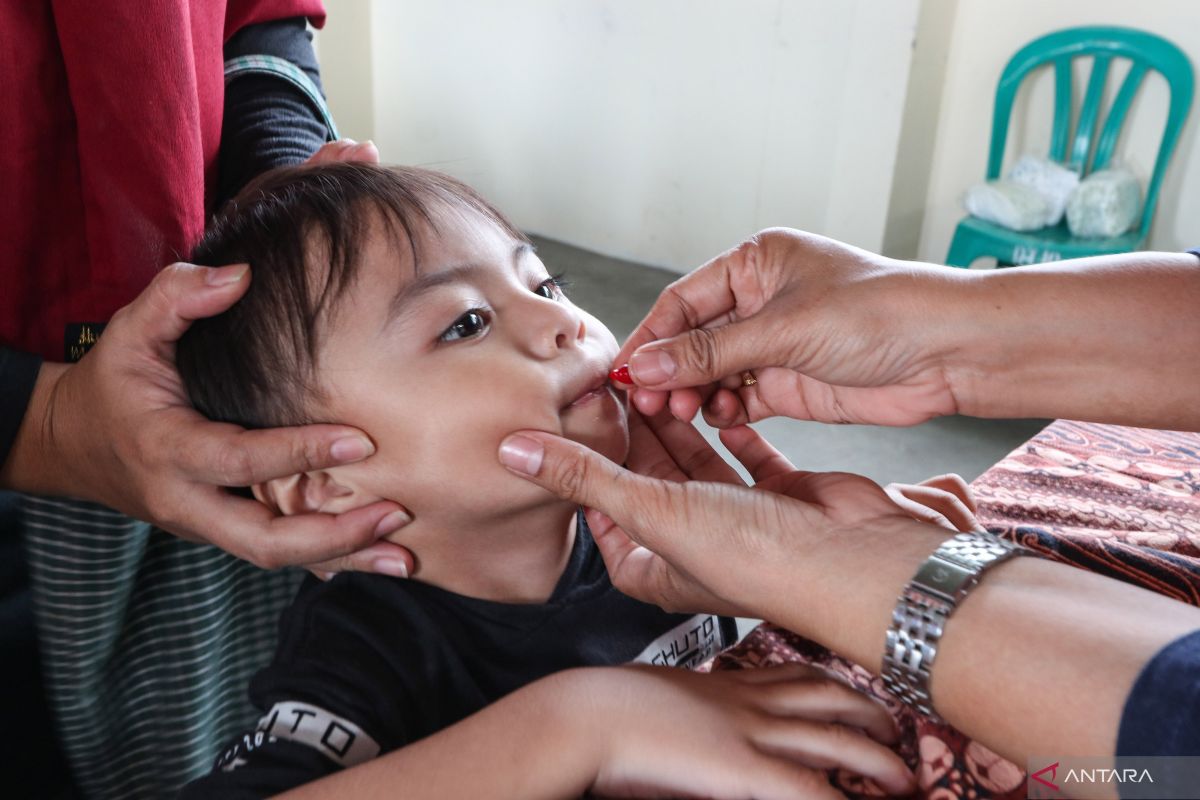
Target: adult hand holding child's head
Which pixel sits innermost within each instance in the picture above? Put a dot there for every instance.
(831, 333)
(121, 421)
(117, 428)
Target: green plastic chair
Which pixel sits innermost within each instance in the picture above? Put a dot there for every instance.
(974, 238)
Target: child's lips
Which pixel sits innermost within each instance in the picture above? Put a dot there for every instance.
(590, 395)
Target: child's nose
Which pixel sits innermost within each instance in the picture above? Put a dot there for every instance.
(561, 328)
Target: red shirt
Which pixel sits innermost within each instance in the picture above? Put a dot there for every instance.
(108, 149)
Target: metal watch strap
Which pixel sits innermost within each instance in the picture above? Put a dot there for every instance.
(926, 602)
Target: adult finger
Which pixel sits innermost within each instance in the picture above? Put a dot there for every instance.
(725, 409)
(954, 484)
(827, 699)
(647, 455)
(772, 777)
(756, 454)
(345, 150)
(691, 451)
(649, 401)
(832, 746)
(583, 476)
(689, 302)
(925, 505)
(226, 455)
(250, 530)
(383, 558)
(180, 294)
(701, 355)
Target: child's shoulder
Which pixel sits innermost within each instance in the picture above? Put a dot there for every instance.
(357, 610)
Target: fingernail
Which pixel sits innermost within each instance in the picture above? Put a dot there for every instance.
(652, 366)
(223, 276)
(346, 141)
(390, 566)
(392, 523)
(351, 448)
(522, 454)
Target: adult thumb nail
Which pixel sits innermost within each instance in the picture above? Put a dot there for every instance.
(224, 276)
(522, 454)
(651, 367)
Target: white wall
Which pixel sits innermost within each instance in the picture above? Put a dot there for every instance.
(661, 131)
(918, 132)
(985, 35)
(667, 130)
(347, 72)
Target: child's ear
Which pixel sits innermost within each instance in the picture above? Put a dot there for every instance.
(308, 492)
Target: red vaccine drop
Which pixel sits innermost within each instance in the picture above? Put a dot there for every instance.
(621, 375)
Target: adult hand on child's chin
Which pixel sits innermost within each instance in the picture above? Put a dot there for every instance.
(680, 529)
(117, 428)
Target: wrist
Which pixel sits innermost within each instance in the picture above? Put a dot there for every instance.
(573, 704)
(983, 340)
(34, 464)
(853, 577)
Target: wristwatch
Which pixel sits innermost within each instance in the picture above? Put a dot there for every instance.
(929, 599)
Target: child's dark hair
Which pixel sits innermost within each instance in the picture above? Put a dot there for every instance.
(301, 230)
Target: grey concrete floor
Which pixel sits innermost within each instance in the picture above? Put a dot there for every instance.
(621, 292)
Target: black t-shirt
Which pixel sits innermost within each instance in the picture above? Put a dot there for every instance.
(367, 664)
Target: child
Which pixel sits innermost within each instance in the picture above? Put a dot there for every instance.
(400, 302)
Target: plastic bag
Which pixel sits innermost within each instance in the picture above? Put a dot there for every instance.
(1032, 196)
(1011, 205)
(1106, 204)
(1050, 179)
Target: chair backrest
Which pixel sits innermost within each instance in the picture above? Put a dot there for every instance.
(1089, 152)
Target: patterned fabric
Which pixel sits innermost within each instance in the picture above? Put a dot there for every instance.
(148, 644)
(1124, 502)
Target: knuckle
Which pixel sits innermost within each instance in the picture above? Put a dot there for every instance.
(265, 557)
(571, 477)
(700, 356)
(159, 292)
(700, 460)
(307, 454)
(235, 465)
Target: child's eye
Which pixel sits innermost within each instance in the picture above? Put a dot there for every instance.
(551, 288)
(469, 324)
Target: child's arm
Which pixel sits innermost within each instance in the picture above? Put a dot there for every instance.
(644, 732)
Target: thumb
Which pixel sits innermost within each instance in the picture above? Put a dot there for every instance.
(703, 355)
(182, 293)
(641, 506)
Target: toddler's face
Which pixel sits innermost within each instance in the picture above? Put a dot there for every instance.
(438, 367)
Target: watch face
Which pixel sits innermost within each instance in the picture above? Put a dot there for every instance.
(944, 578)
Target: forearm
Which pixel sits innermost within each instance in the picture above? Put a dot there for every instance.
(32, 464)
(1106, 339)
(533, 744)
(1037, 660)
(268, 121)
